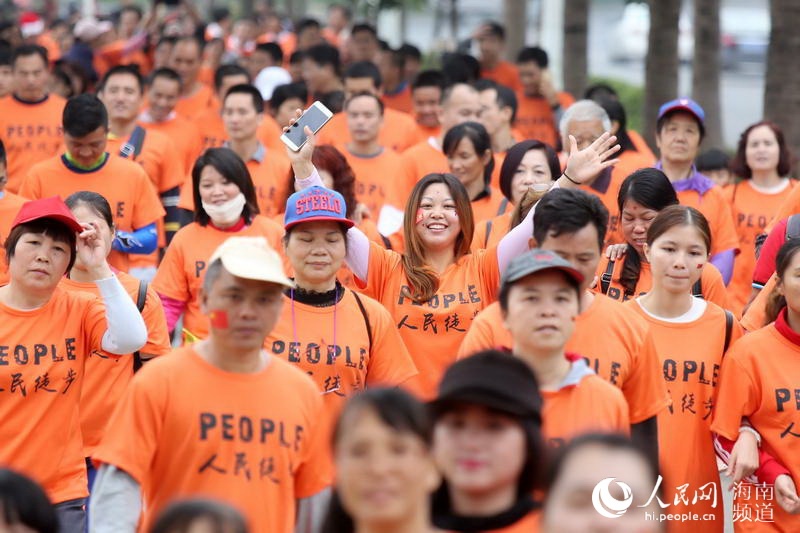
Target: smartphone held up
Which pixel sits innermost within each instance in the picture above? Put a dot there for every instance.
(316, 116)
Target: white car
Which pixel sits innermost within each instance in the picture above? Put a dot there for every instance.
(630, 35)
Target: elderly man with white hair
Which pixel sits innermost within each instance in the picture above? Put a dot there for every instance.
(586, 121)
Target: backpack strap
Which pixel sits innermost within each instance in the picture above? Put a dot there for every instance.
(605, 279)
(386, 242)
(503, 206)
(488, 233)
(793, 227)
(366, 318)
(728, 329)
(697, 288)
(141, 300)
(133, 147)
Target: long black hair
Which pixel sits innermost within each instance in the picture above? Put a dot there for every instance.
(650, 188)
(395, 408)
(514, 157)
(776, 301)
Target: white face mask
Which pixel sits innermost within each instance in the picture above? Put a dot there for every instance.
(226, 213)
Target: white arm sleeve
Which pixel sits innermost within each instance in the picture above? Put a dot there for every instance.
(126, 331)
(311, 512)
(116, 502)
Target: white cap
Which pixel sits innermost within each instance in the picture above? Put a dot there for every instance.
(251, 258)
(269, 78)
(89, 28)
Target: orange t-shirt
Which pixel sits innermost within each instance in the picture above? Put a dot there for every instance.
(423, 132)
(157, 158)
(190, 107)
(181, 272)
(185, 137)
(421, 159)
(107, 376)
(641, 145)
(399, 101)
(10, 204)
(606, 187)
(790, 206)
(711, 282)
(490, 206)
(432, 331)
(584, 403)
(499, 157)
(212, 130)
(42, 360)
(717, 211)
(269, 133)
(504, 73)
(535, 119)
(489, 233)
(113, 54)
(333, 347)
(31, 133)
(760, 377)
(376, 179)
(47, 41)
(270, 172)
(134, 202)
(202, 432)
(399, 130)
(691, 354)
(752, 212)
(624, 355)
(206, 75)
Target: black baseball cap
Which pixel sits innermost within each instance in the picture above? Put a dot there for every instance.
(493, 379)
(538, 260)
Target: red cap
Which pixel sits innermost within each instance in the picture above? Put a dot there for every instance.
(53, 207)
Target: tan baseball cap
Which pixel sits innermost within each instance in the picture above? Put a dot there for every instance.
(251, 258)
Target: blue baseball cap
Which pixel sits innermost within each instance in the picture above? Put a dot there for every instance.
(683, 104)
(316, 203)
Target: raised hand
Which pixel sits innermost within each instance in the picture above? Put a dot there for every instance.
(584, 165)
(92, 251)
(301, 160)
(616, 251)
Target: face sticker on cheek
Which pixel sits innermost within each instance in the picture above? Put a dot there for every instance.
(219, 319)
(420, 216)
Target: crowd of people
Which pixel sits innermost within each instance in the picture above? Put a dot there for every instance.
(468, 303)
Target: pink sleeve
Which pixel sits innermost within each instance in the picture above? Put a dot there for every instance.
(136, 42)
(516, 240)
(173, 309)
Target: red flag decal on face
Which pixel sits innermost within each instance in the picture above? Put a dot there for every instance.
(219, 319)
